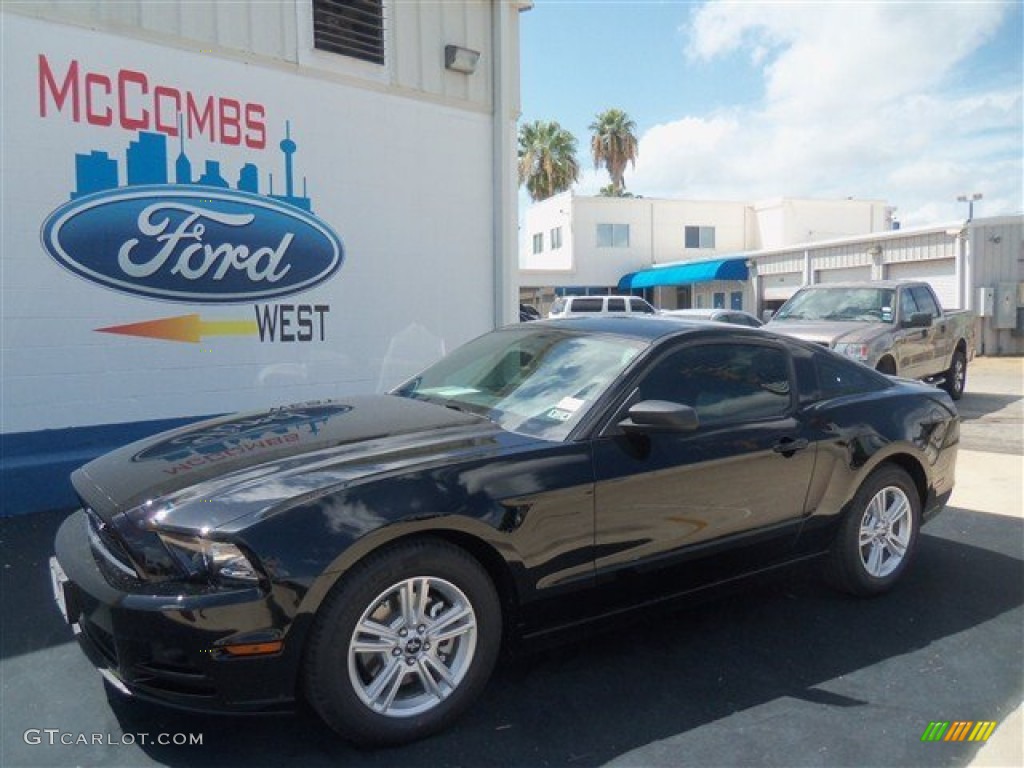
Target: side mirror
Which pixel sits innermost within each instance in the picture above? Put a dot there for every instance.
(660, 416)
(919, 320)
(767, 315)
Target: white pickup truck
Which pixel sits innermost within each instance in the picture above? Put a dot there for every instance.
(897, 327)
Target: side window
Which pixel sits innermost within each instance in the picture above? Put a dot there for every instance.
(907, 305)
(839, 377)
(723, 382)
(925, 301)
(639, 305)
(616, 305)
(587, 305)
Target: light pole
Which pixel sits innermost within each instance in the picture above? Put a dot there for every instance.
(969, 199)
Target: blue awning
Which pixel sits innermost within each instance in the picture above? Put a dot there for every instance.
(685, 274)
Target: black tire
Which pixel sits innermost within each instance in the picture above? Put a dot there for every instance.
(956, 376)
(339, 683)
(874, 567)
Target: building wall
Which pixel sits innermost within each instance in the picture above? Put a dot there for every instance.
(996, 265)
(959, 260)
(278, 143)
(785, 221)
(657, 232)
(276, 32)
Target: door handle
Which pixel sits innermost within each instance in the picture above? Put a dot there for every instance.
(787, 446)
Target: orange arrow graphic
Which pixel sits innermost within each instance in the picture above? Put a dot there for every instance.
(188, 328)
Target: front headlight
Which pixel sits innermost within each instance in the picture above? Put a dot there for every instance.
(200, 557)
(859, 352)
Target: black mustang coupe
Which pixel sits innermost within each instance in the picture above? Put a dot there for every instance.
(371, 554)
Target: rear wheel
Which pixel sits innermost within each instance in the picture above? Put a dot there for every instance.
(404, 644)
(877, 537)
(956, 376)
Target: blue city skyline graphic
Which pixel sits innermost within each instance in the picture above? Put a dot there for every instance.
(146, 163)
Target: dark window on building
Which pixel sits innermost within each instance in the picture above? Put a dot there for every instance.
(350, 27)
(556, 238)
(699, 237)
(613, 235)
(538, 242)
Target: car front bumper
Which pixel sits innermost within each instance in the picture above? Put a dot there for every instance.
(167, 642)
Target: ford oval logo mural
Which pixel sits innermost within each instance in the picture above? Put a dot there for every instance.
(192, 244)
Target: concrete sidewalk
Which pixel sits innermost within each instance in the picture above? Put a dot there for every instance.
(993, 483)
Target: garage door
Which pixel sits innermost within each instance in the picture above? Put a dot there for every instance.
(843, 275)
(780, 287)
(939, 273)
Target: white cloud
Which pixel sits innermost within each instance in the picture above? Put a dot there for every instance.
(856, 103)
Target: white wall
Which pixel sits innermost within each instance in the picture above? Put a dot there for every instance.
(418, 227)
(785, 221)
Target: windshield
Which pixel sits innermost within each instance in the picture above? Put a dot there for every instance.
(539, 382)
(862, 305)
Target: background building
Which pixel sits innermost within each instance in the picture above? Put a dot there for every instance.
(211, 207)
(572, 244)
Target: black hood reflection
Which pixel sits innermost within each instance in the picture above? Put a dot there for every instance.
(232, 459)
(245, 433)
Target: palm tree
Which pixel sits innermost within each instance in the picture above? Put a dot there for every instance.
(613, 145)
(547, 159)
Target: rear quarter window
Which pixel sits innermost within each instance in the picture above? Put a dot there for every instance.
(837, 377)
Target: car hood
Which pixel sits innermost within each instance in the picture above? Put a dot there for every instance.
(212, 472)
(828, 332)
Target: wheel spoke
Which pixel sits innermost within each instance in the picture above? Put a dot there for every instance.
(407, 601)
(897, 547)
(422, 598)
(382, 692)
(897, 510)
(429, 683)
(874, 563)
(373, 637)
(458, 620)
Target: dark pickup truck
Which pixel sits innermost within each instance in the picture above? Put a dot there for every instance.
(897, 327)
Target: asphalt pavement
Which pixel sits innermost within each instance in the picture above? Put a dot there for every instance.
(784, 673)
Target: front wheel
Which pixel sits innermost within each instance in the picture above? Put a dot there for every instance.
(403, 644)
(878, 534)
(956, 376)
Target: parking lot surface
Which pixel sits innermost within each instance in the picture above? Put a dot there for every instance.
(785, 672)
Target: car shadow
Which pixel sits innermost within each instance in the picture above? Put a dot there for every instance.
(590, 701)
(975, 405)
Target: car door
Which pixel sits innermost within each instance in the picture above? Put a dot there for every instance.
(937, 348)
(675, 511)
(911, 343)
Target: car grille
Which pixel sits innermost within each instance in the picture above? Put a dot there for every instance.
(108, 547)
(101, 640)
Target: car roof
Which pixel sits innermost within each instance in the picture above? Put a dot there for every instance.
(695, 312)
(646, 327)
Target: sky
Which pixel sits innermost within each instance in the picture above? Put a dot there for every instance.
(914, 103)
